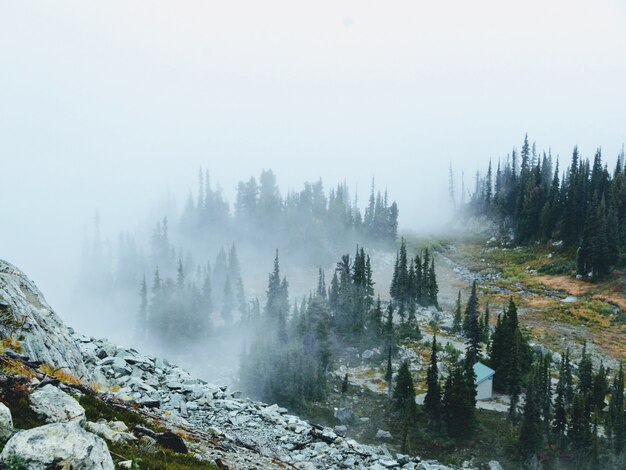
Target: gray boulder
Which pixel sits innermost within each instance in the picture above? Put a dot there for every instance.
(64, 445)
(105, 431)
(380, 434)
(495, 465)
(56, 406)
(6, 422)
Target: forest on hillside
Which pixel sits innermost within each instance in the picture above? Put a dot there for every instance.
(533, 198)
(186, 277)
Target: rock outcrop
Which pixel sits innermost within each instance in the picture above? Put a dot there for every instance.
(6, 422)
(59, 445)
(44, 336)
(56, 406)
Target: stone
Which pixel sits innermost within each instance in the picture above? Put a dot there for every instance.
(367, 354)
(383, 435)
(494, 465)
(56, 406)
(345, 415)
(59, 444)
(104, 430)
(43, 336)
(341, 430)
(6, 422)
(147, 445)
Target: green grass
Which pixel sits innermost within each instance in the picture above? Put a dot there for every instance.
(160, 460)
(96, 409)
(23, 416)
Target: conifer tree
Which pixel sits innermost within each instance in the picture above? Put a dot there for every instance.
(559, 424)
(585, 372)
(472, 328)
(530, 437)
(457, 322)
(142, 314)
(432, 401)
(600, 388)
(404, 392)
(404, 401)
(471, 309)
(389, 336)
(228, 303)
(459, 401)
(616, 417)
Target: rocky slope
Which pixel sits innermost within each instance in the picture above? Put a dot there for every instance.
(219, 425)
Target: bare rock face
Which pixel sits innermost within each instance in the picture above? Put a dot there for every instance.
(56, 406)
(6, 422)
(59, 445)
(24, 311)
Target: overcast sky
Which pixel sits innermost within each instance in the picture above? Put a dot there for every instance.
(111, 104)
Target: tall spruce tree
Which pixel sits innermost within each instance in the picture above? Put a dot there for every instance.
(432, 400)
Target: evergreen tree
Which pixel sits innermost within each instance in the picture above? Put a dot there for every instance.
(404, 401)
(471, 309)
(277, 295)
(616, 419)
(228, 303)
(457, 322)
(432, 401)
(142, 314)
(560, 424)
(472, 328)
(530, 437)
(404, 392)
(459, 401)
(600, 388)
(585, 372)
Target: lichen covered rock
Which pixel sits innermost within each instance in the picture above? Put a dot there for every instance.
(59, 445)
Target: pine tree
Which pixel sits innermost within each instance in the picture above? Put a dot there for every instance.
(616, 417)
(389, 336)
(459, 401)
(432, 401)
(585, 372)
(560, 424)
(228, 303)
(277, 295)
(485, 326)
(404, 402)
(471, 309)
(600, 388)
(457, 322)
(472, 328)
(404, 392)
(142, 314)
(530, 437)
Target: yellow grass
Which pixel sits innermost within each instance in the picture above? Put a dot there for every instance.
(60, 374)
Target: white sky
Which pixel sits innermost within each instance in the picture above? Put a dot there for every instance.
(110, 104)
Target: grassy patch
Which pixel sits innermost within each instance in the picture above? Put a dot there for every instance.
(96, 409)
(160, 460)
(59, 374)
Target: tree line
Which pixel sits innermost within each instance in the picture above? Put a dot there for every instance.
(584, 205)
(288, 360)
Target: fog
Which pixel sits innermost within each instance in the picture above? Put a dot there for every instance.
(113, 107)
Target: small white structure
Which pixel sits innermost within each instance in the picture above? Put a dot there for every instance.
(484, 381)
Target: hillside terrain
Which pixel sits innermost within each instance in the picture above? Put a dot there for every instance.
(148, 412)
